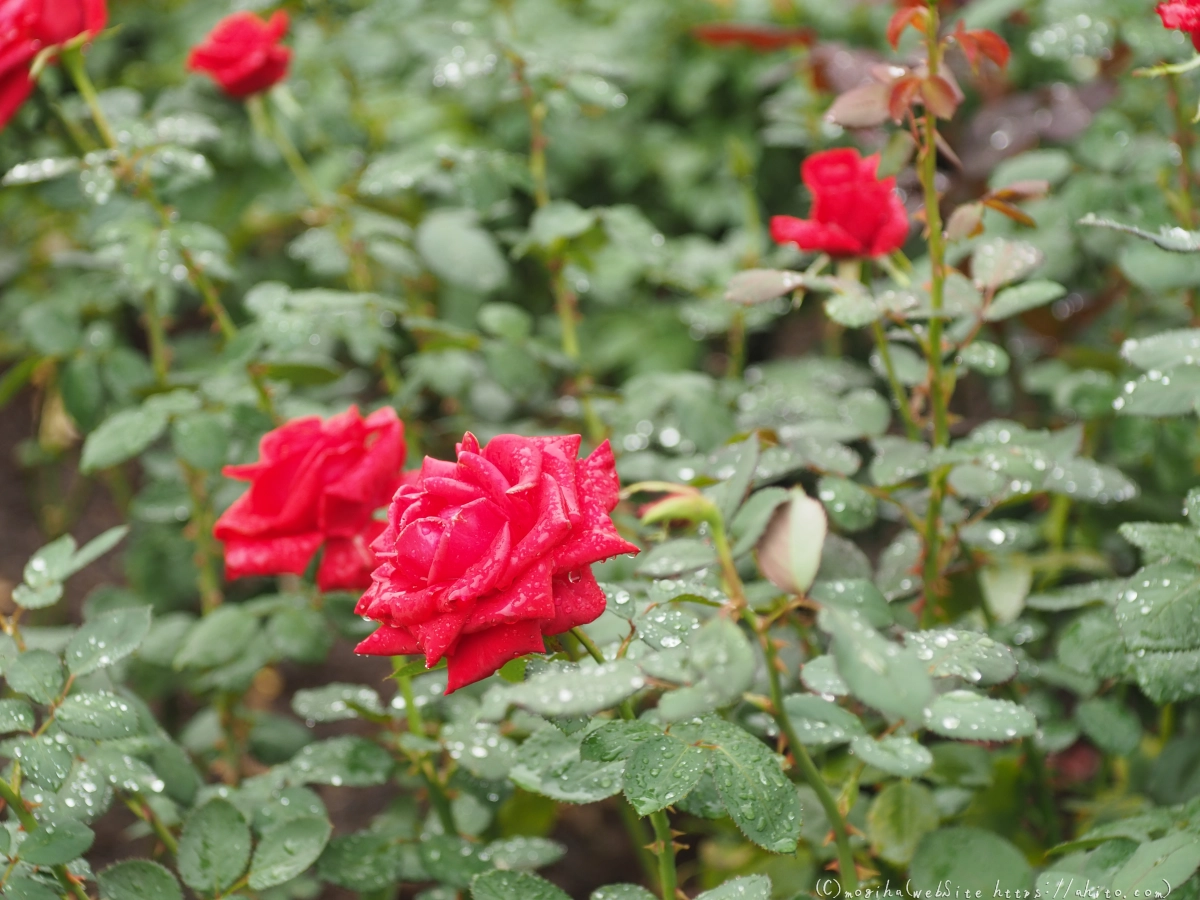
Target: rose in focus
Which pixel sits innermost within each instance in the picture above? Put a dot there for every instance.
(1182, 15)
(854, 212)
(28, 26)
(243, 54)
(483, 556)
(316, 483)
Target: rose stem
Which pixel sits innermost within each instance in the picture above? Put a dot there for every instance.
(664, 844)
(10, 795)
(939, 388)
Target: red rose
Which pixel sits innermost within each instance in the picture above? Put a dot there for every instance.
(315, 483)
(26, 26)
(482, 558)
(243, 54)
(1183, 15)
(61, 20)
(18, 47)
(854, 213)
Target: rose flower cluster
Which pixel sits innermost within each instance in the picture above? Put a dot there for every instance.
(478, 559)
(243, 54)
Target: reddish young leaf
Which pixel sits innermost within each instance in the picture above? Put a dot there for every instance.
(993, 46)
(861, 107)
(939, 96)
(903, 92)
(762, 38)
(965, 222)
(1007, 209)
(914, 16)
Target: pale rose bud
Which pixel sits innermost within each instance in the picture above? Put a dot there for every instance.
(789, 552)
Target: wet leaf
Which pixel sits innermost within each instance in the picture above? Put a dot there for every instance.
(214, 847)
(287, 850)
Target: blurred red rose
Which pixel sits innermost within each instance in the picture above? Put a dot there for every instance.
(762, 38)
(61, 20)
(243, 54)
(483, 557)
(854, 213)
(26, 26)
(316, 482)
(1183, 15)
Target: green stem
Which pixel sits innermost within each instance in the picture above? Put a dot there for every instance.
(72, 61)
(261, 115)
(12, 797)
(1037, 769)
(156, 333)
(412, 714)
(638, 838)
(438, 797)
(664, 849)
(595, 653)
(899, 395)
(939, 388)
(207, 551)
(139, 807)
(808, 768)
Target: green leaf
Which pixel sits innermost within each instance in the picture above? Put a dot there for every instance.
(16, 715)
(753, 286)
(897, 460)
(1005, 585)
(622, 892)
(479, 748)
(287, 850)
(335, 702)
(1112, 727)
(854, 595)
(56, 841)
(549, 763)
(342, 761)
(723, 662)
(730, 493)
(138, 879)
(20, 887)
(853, 308)
(214, 847)
(218, 638)
(1160, 608)
(501, 885)
(849, 506)
(894, 754)
(754, 516)
(559, 220)
(38, 674)
(525, 853)
(968, 716)
(300, 634)
(1175, 240)
(122, 436)
(819, 723)
(761, 800)
(986, 358)
(617, 740)
(201, 439)
(1171, 860)
(362, 862)
(574, 691)
(751, 887)
(50, 564)
(1165, 350)
(101, 716)
(451, 859)
(96, 548)
(878, 672)
(969, 859)
(1076, 595)
(460, 252)
(972, 655)
(998, 261)
(901, 814)
(675, 557)
(1159, 394)
(107, 638)
(1168, 677)
(661, 772)
(820, 675)
(44, 760)
(1022, 298)
(1158, 540)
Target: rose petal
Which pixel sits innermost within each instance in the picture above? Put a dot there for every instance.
(288, 555)
(438, 635)
(578, 600)
(551, 527)
(529, 597)
(480, 655)
(389, 641)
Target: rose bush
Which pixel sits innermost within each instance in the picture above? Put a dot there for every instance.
(914, 483)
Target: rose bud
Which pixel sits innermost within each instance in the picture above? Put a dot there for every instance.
(789, 552)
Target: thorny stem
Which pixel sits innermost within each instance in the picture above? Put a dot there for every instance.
(664, 844)
(939, 388)
(1187, 178)
(412, 714)
(664, 849)
(206, 550)
(841, 835)
(72, 60)
(808, 768)
(140, 808)
(12, 797)
(156, 332)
